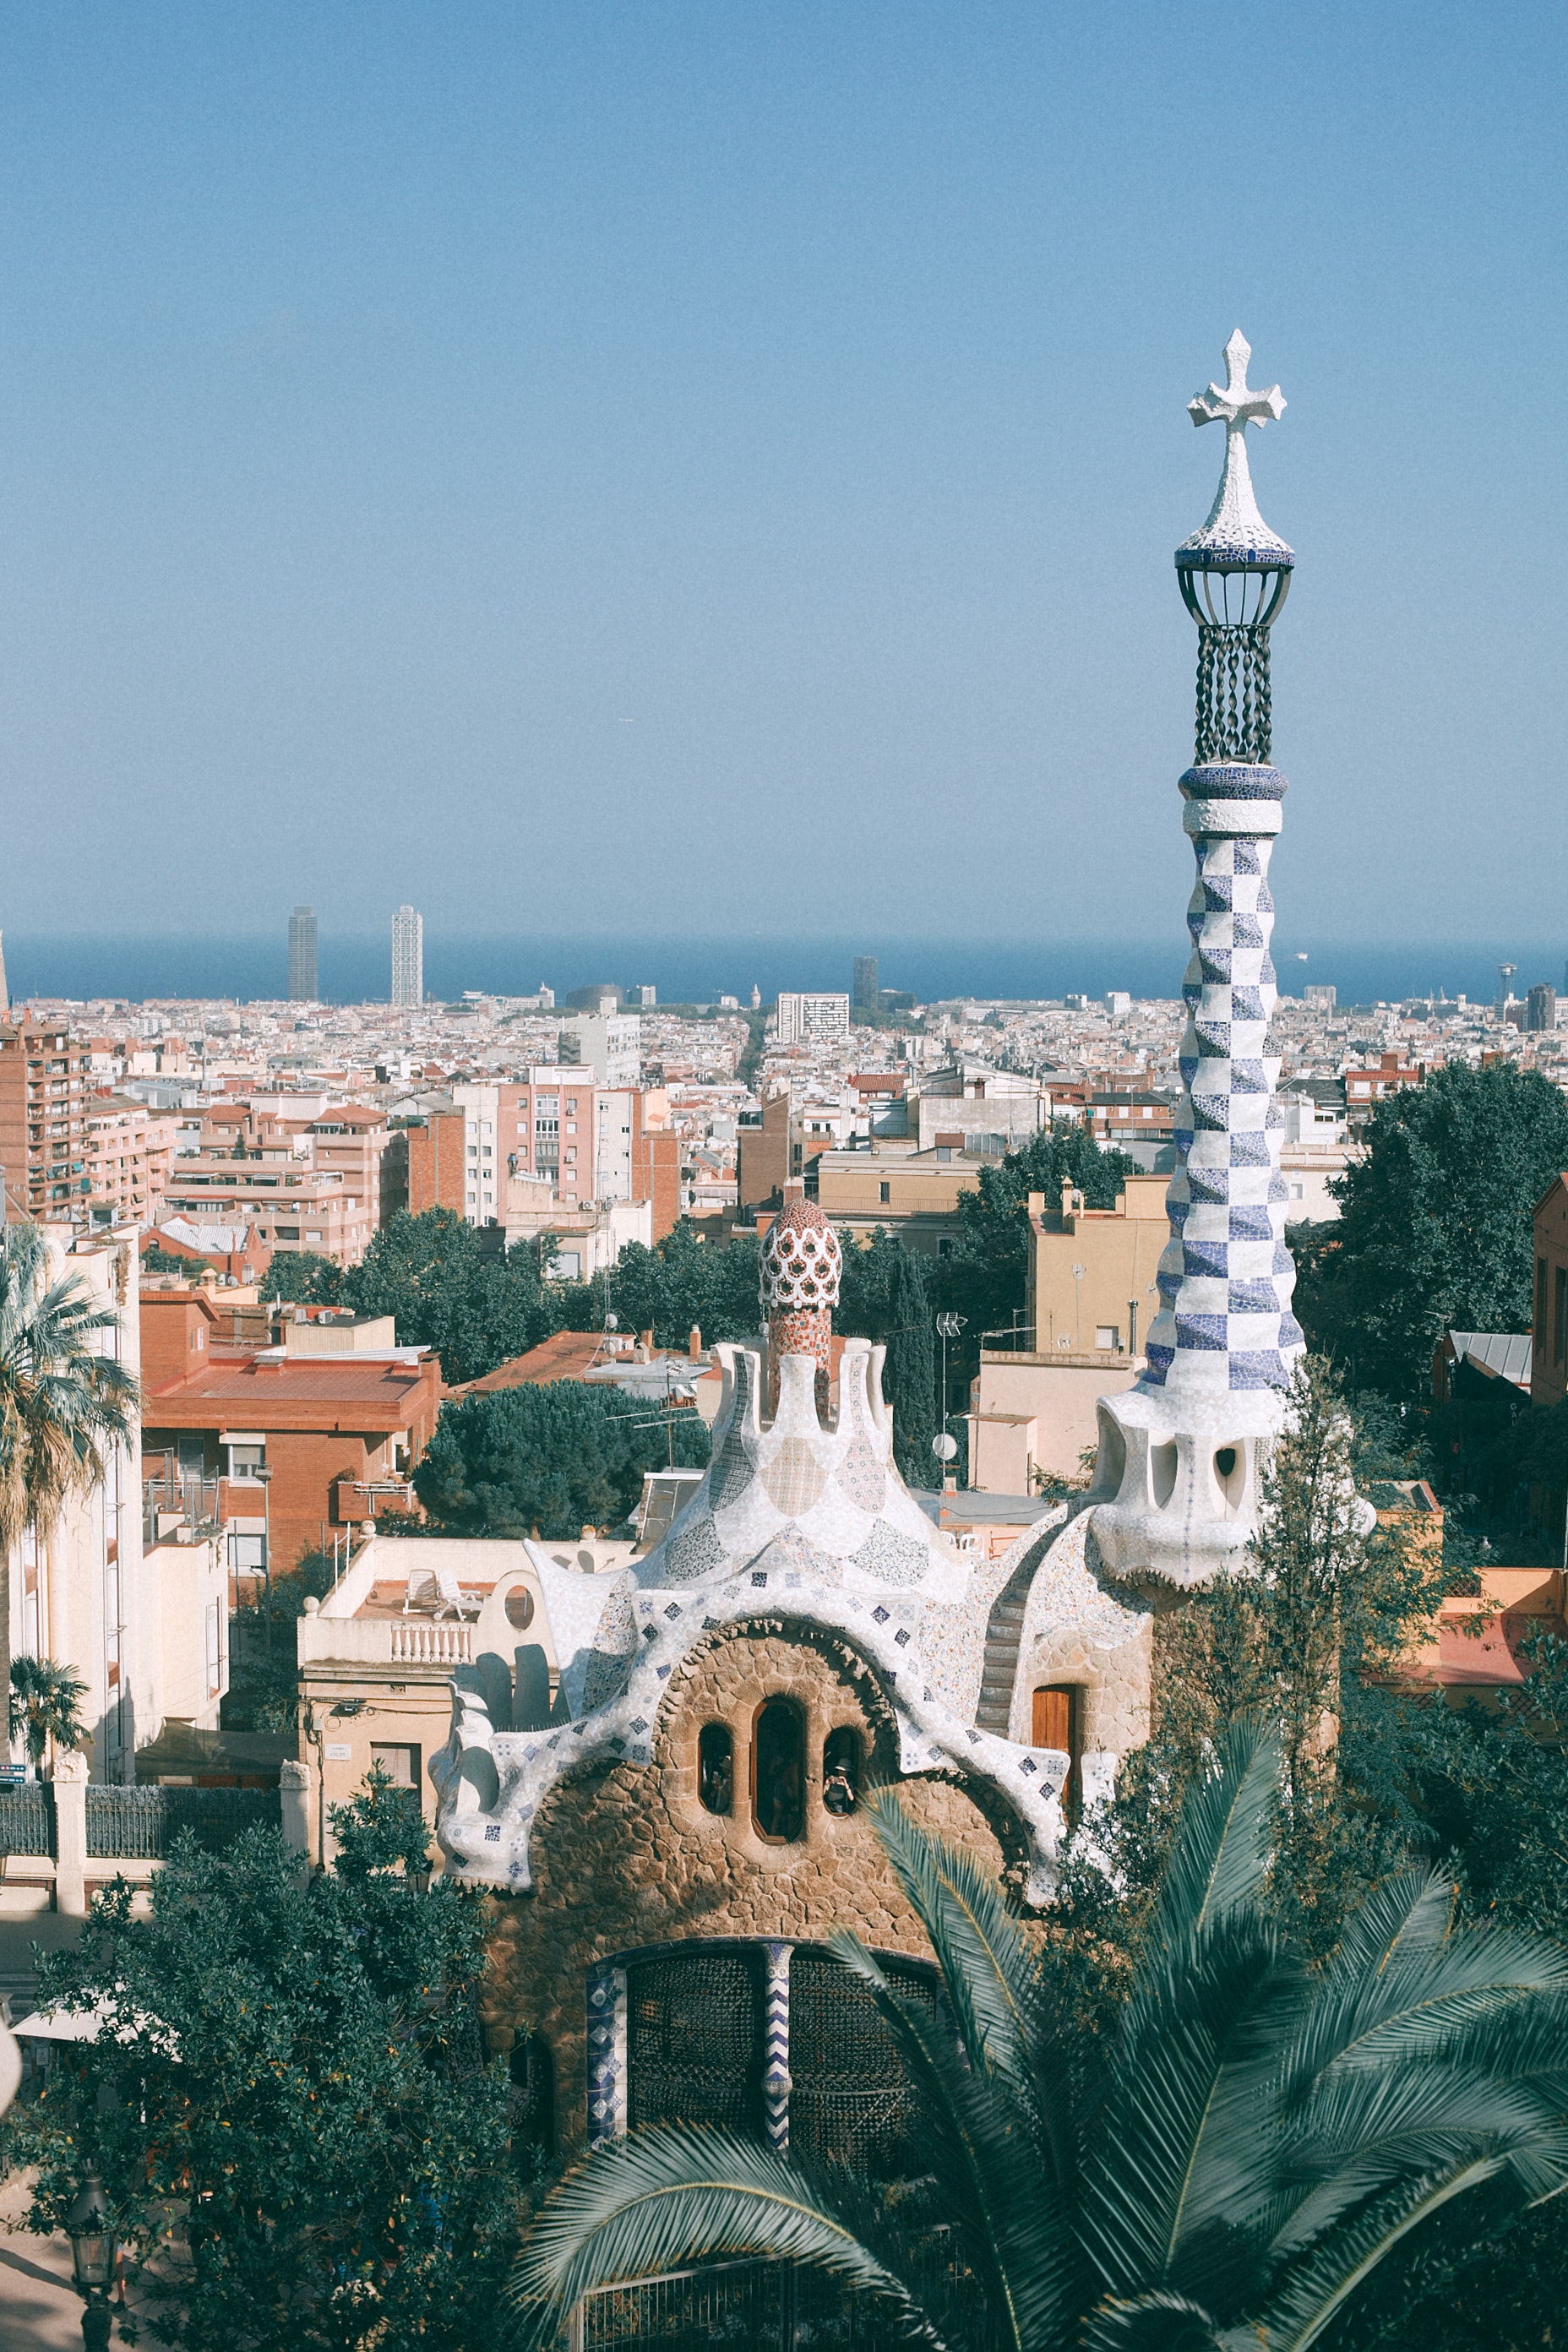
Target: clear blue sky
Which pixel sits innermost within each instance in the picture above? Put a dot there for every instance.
(716, 466)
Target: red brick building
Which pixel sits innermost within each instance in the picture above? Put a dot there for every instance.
(338, 1435)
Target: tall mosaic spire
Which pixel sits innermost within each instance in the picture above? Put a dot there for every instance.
(1175, 1476)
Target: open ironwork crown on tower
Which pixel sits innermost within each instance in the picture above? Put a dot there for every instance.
(1234, 575)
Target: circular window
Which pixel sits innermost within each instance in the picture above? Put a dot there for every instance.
(520, 1606)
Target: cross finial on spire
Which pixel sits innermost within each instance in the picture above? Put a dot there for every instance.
(1235, 531)
(1236, 407)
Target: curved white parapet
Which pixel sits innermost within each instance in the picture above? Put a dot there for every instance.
(794, 1520)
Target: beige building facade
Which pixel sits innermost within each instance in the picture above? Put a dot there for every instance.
(913, 1193)
(1092, 1284)
(1030, 1411)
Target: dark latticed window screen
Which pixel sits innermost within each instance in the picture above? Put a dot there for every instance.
(694, 2031)
(850, 2101)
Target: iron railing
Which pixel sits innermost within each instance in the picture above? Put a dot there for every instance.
(141, 1824)
(26, 1820)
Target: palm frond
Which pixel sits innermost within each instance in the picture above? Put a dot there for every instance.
(990, 1970)
(1318, 2287)
(669, 2197)
(1160, 2322)
(982, 2143)
(1219, 1859)
(1406, 1917)
(1187, 2133)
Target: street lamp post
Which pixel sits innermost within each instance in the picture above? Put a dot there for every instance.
(92, 2259)
(948, 1327)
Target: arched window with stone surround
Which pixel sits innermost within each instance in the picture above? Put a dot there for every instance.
(778, 1772)
(716, 1768)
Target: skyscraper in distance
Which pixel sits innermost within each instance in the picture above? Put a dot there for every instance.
(407, 957)
(863, 995)
(303, 986)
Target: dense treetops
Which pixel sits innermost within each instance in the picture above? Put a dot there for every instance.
(1434, 1230)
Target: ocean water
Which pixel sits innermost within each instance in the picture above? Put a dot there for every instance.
(357, 969)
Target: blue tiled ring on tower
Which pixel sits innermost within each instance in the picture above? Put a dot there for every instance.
(1176, 1481)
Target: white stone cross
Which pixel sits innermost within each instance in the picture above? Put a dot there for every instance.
(1236, 407)
(1235, 529)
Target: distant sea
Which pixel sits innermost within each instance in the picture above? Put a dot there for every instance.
(357, 969)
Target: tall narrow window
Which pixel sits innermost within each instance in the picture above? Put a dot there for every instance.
(531, 2067)
(716, 1768)
(1560, 1315)
(1059, 1724)
(778, 1772)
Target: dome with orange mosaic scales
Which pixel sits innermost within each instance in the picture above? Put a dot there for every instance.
(800, 1262)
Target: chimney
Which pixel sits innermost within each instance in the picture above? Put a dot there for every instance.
(694, 1343)
(794, 1189)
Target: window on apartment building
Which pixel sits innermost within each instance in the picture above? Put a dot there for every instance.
(473, 1151)
(571, 1102)
(884, 1193)
(1560, 1316)
(1108, 1335)
(1540, 1305)
(571, 1127)
(285, 1233)
(399, 1761)
(247, 1456)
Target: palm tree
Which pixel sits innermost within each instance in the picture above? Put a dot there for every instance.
(1221, 2174)
(62, 1403)
(45, 1705)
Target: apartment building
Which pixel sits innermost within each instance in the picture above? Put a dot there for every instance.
(296, 1442)
(46, 1092)
(605, 1047)
(811, 1017)
(305, 1174)
(588, 1143)
(129, 1152)
(1092, 1278)
(914, 1194)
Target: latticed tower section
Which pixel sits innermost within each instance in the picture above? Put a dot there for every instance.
(1175, 1476)
(798, 1268)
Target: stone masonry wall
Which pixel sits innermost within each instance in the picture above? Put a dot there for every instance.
(625, 1856)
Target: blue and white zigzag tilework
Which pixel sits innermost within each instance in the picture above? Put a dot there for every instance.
(1225, 1277)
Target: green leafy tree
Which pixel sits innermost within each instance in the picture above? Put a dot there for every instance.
(303, 1278)
(1434, 1230)
(381, 1829)
(1226, 2167)
(985, 1277)
(909, 1374)
(295, 2069)
(64, 1403)
(45, 1705)
(556, 1457)
(683, 1281)
(864, 1289)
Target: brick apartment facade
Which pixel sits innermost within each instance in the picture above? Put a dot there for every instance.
(339, 1434)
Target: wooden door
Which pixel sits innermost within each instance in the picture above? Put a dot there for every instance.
(1054, 1725)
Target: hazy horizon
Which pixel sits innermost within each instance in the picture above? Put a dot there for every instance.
(357, 969)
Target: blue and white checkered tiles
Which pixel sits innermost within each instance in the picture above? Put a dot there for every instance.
(1225, 1277)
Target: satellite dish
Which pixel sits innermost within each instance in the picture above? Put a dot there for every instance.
(944, 1447)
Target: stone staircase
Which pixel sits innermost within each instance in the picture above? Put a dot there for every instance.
(1003, 1635)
